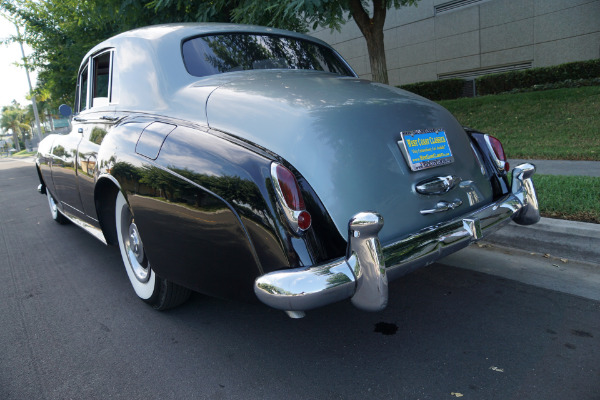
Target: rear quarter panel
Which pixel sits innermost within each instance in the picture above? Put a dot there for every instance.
(203, 208)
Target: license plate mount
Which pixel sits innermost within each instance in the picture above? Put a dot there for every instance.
(426, 148)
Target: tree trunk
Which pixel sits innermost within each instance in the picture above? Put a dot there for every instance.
(372, 30)
(49, 116)
(16, 140)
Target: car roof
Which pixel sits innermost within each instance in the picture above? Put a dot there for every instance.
(176, 32)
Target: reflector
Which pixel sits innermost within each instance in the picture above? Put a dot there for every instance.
(304, 220)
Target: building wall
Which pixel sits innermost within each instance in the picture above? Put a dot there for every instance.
(486, 35)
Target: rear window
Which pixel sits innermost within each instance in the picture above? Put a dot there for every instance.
(216, 54)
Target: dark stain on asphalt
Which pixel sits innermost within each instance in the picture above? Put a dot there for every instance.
(385, 328)
(570, 346)
(550, 331)
(575, 332)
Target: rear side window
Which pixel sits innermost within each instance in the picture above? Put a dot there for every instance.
(215, 54)
(102, 67)
(95, 83)
(82, 90)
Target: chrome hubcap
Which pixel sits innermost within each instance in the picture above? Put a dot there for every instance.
(135, 243)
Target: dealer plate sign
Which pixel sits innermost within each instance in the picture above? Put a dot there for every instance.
(426, 149)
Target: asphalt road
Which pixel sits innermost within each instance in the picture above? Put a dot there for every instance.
(71, 327)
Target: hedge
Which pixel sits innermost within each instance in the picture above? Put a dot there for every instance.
(579, 73)
(507, 81)
(445, 89)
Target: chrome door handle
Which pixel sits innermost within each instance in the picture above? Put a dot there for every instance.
(109, 118)
(442, 206)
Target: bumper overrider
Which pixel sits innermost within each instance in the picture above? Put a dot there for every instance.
(363, 274)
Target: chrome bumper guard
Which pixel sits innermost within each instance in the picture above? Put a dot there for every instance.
(363, 273)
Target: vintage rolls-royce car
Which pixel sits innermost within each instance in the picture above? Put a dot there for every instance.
(248, 162)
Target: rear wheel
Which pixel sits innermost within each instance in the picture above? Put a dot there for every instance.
(54, 211)
(154, 290)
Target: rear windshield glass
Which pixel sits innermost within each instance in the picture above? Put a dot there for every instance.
(209, 55)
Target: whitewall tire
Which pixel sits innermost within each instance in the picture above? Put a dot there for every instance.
(158, 292)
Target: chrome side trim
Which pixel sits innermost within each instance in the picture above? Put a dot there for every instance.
(92, 230)
(365, 270)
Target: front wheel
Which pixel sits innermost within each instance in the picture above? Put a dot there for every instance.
(154, 290)
(54, 211)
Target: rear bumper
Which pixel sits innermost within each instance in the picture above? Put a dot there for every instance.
(363, 274)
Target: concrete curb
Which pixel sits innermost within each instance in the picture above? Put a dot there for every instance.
(560, 238)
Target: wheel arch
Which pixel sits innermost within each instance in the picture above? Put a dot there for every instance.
(105, 193)
(41, 178)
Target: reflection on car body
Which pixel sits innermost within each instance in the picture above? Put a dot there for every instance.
(249, 162)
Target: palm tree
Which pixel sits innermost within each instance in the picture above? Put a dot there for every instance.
(13, 118)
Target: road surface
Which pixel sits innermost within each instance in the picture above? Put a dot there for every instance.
(71, 327)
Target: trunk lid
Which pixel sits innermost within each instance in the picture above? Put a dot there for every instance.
(342, 135)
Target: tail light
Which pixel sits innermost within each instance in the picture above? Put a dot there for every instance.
(497, 153)
(290, 198)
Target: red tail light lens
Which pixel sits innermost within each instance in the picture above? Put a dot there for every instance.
(498, 151)
(290, 197)
(289, 188)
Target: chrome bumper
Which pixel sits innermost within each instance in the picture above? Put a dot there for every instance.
(363, 273)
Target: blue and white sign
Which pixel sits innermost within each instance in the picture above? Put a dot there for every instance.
(426, 149)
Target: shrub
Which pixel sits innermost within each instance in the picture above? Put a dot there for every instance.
(508, 81)
(445, 89)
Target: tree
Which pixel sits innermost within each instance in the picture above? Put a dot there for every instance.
(13, 118)
(368, 15)
(61, 32)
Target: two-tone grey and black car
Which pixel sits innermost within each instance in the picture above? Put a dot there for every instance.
(248, 162)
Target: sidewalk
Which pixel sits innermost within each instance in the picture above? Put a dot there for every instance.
(562, 167)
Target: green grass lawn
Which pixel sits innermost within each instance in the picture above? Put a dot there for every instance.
(23, 153)
(575, 198)
(562, 124)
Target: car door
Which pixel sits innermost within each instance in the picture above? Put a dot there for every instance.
(96, 122)
(64, 152)
(74, 156)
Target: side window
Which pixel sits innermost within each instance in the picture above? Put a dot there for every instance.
(83, 90)
(101, 67)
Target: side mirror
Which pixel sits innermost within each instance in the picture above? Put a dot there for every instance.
(65, 110)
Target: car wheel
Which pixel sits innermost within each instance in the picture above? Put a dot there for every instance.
(154, 290)
(54, 211)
